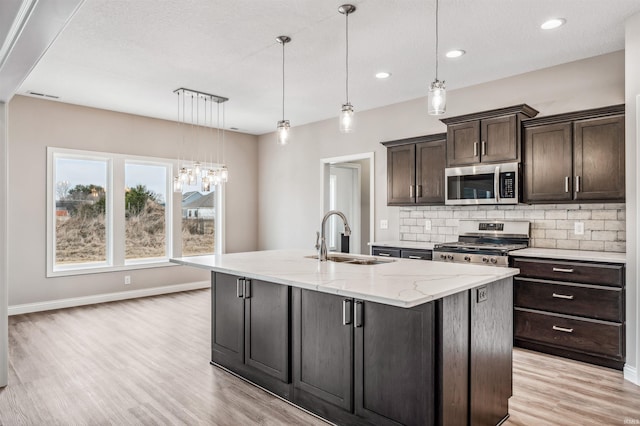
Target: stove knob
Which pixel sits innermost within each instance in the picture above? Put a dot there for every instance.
(443, 256)
(485, 259)
(467, 258)
(494, 260)
(450, 256)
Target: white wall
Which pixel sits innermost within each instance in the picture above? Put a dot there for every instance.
(632, 97)
(35, 124)
(4, 294)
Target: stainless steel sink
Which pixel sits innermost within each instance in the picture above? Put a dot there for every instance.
(353, 260)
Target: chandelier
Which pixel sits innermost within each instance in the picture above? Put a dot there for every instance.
(195, 104)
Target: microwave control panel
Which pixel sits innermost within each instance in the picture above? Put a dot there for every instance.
(508, 185)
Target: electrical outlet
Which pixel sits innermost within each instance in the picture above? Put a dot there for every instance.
(482, 294)
(427, 225)
(578, 228)
(127, 279)
(384, 224)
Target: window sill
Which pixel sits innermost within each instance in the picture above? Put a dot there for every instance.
(105, 269)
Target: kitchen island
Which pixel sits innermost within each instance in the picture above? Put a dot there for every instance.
(398, 342)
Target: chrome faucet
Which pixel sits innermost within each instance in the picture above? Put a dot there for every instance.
(322, 247)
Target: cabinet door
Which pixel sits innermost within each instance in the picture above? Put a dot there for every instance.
(548, 163)
(227, 330)
(463, 143)
(323, 349)
(430, 164)
(499, 139)
(401, 175)
(599, 159)
(267, 318)
(394, 363)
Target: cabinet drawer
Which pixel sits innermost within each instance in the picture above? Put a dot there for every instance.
(383, 251)
(582, 300)
(600, 274)
(589, 336)
(417, 254)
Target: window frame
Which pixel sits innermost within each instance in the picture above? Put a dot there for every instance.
(115, 208)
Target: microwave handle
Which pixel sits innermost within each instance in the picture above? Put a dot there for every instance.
(496, 183)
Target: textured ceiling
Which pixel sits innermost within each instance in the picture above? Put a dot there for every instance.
(129, 56)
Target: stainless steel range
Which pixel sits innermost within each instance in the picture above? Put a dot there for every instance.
(484, 242)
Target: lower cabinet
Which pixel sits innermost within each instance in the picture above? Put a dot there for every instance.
(250, 330)
(381, 355)
(419, 254)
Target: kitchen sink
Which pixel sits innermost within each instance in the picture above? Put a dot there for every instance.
(353, 260)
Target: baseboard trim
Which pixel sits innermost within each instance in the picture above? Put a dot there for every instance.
(631, 374)
(105, 297)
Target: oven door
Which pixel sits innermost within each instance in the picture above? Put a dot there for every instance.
(486, 184)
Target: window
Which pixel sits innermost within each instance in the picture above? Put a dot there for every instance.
(113, 212)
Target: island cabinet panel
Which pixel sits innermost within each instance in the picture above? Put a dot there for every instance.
(251, 329)
(394, 363)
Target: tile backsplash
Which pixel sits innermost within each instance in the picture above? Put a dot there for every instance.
(552, 225)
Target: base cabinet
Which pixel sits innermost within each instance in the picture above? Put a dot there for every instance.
(251, 329)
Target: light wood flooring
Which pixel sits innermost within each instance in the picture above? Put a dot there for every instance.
(146, 361)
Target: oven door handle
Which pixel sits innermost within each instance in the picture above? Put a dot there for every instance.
(496, 183)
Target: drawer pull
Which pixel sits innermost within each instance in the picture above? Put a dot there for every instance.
(415, 257)
(566, 330)
(563, 296)
(563, 270)
(384, 254)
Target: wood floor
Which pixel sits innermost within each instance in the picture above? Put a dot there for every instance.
(146, 361)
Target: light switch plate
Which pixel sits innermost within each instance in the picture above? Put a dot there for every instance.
(384, 224)
(578, 228)
(427, 225)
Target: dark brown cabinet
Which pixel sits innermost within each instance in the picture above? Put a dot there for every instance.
(486, 137)
(381, 355)
(405, 253)
(250, 332)
(575, 157)
(570, 308)
(415, 170)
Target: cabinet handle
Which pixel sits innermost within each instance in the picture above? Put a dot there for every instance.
(358, 316)
(563, 296)
(484, 147)
(240, 287)
(568, 271)
(384, 254)
(566, 330)
(566, 184)
(246, 288)
(415, 257)
(577, 183)
(410, 191)
(347, 311)
(419, 191)
(475, 149)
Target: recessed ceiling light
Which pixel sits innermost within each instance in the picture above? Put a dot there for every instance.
(553, 23)
(455, 53)
(383, 74)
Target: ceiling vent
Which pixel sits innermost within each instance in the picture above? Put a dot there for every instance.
(42, 95)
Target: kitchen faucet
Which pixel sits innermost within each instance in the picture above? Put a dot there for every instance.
(322, 247)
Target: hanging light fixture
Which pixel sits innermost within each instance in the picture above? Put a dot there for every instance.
(347, 112)
(191, 173)
(283, 125)
(437, 92)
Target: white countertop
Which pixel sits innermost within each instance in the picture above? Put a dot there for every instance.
(591, 256)
(403, 282)
(421, 245)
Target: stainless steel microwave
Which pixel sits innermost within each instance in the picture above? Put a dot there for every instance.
(483, 184)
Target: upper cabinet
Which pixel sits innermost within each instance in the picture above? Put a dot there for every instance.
(415, 170)
(577, 156)
(486, 137)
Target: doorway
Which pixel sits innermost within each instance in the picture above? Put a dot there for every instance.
(347, 185)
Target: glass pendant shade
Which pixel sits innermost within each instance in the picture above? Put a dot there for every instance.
(283, 132)
(177, 184)
(437, 98)
(347, 118)
(196, 169)
(224, 174)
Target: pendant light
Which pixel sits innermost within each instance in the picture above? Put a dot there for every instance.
(283, 125)
(437, 92)
(347, 112)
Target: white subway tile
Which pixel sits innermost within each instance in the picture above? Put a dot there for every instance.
(543, 243)
(555, 214)
(478, 215)
(604, 214)
(533, 214)
(451, 222)
(565, 224)
(416, 214)
(555, 234)
(405, 229)
(592, 245)
(622, 236)
(619, 247)
(604, 235)
(568, 244)
(615, 225)
(579, 214)
(594, 225)
(445, 214)
(461, 214)
(544, 224)
(495, 214)
(514, 214)
(615, 206)
(409, 237)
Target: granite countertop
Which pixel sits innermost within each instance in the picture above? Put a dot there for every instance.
(591, 256)
(421, 245)
(403, 282)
